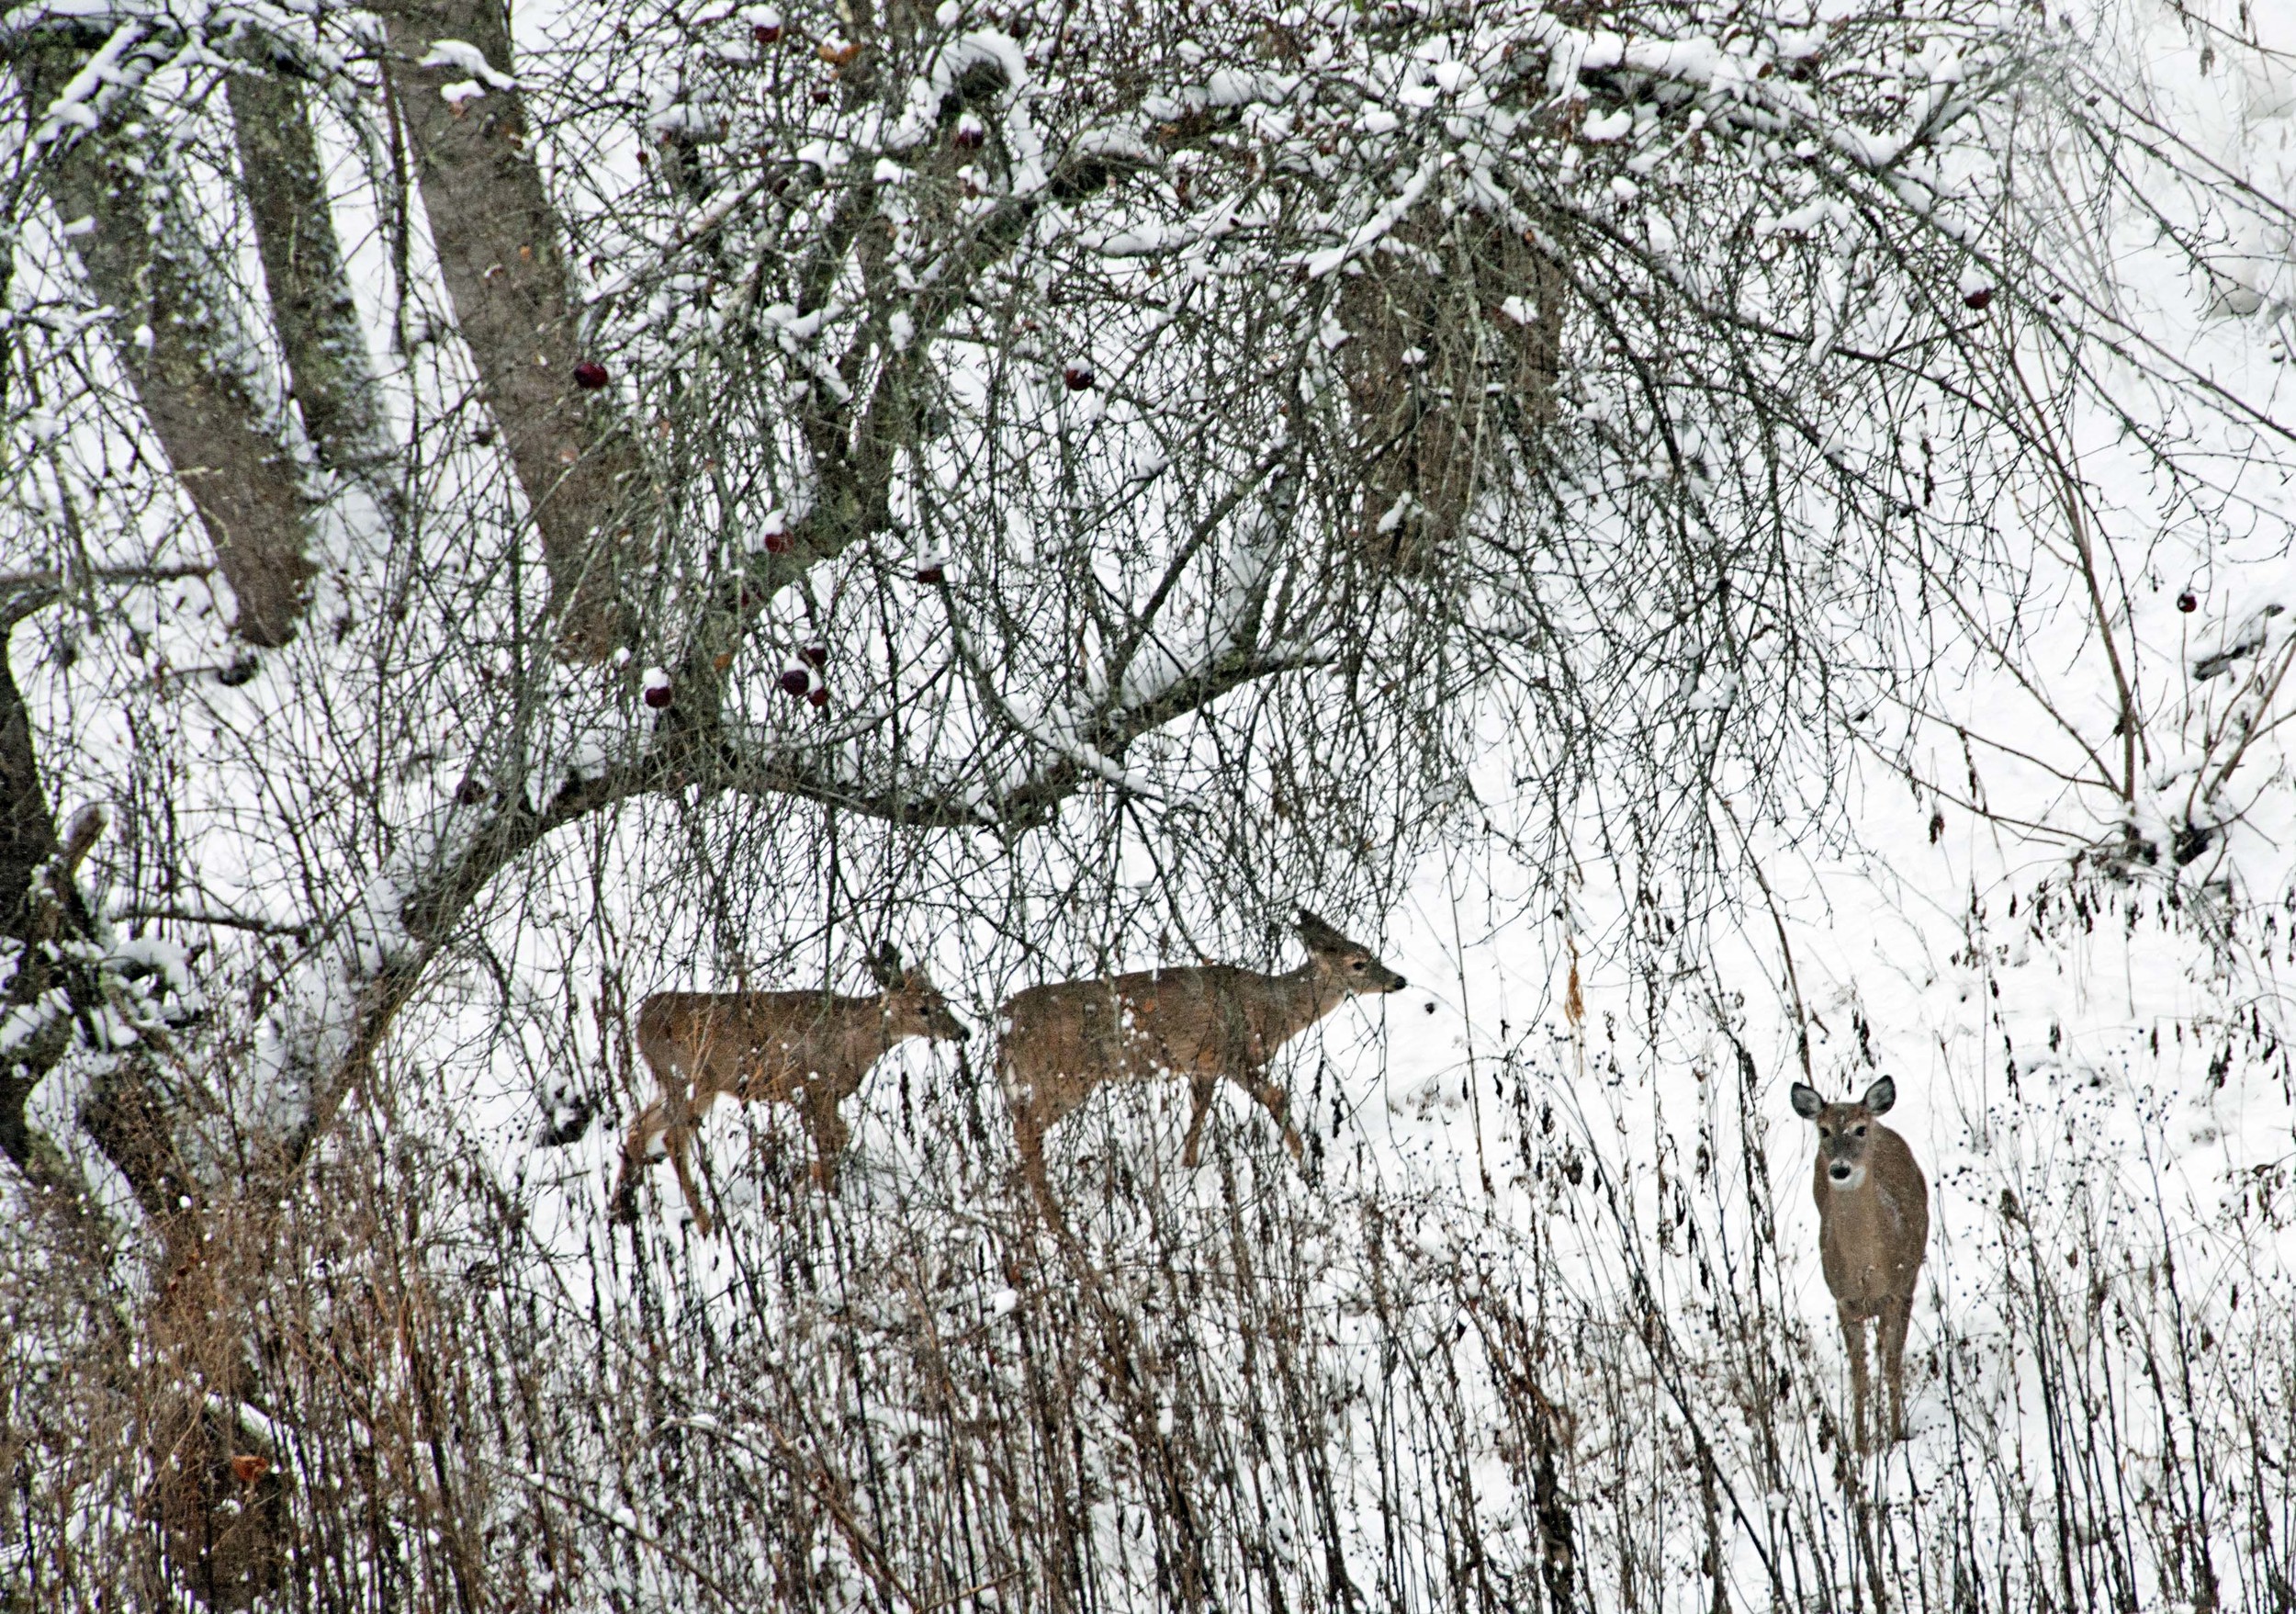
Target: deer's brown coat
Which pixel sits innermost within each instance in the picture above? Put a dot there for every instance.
(807, 1049)
(1873, 1228)
(1202, 1022)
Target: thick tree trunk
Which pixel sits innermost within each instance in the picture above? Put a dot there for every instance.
(169, 328)
(312, 310)
(220, 1525)
(1426, 350)
(501, 251)
(36, 908)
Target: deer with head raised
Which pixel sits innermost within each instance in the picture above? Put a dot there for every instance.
(809, 1050)
(1873, 1228)
(1203, 1022)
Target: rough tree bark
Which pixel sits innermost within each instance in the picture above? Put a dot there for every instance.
(180, 355)
(39, 908)
(1424, 351)
(220, 1523)
(501, 253)
(312, 310)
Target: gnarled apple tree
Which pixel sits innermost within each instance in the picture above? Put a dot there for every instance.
(1069, 474)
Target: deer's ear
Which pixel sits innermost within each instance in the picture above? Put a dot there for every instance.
(1320, 937)
(884, 967)
(1881, 1096)
(1808, 1100)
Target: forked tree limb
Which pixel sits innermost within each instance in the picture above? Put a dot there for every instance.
(500, 248)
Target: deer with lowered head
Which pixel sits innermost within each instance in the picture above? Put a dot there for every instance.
(1872, 1227)
(1203, 1023)
(809, 1050)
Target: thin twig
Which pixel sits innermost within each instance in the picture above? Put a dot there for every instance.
(228, 921)
(55, 577)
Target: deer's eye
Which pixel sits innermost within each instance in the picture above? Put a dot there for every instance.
(1825, 1131)
(1861, 1132)
(1357, 966)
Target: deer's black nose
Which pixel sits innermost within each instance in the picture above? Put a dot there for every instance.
(1838, 1172)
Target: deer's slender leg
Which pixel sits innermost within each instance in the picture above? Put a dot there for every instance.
(680, 1146)
(1278, 1103)
(1033, 1113)
(634, 1146)
(1030, 1137)
(675, 1121)
(1201, 1089)
(1896, 1312)
(830, 1135)
(657, 1118)
(1853, 1340)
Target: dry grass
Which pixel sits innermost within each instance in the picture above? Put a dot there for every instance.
(1600, 1386)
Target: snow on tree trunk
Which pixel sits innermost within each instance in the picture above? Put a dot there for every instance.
(501, 254)
(175, 334)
